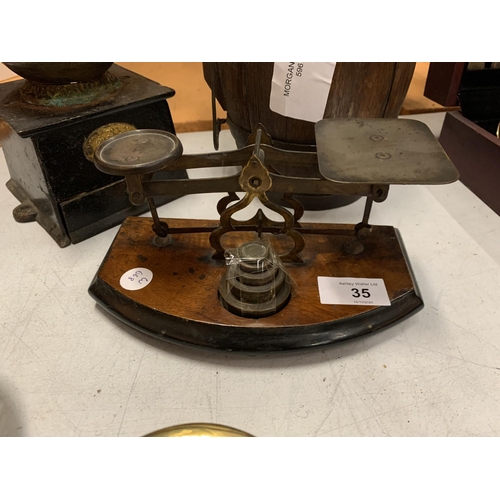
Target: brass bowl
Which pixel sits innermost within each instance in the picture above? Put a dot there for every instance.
(59, 73)
(199, 430)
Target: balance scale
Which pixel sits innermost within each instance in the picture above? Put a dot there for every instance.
(261, 286)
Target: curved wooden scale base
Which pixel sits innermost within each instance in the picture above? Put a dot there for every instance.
(181, 305)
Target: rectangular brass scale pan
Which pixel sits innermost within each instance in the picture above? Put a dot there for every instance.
(180, 302)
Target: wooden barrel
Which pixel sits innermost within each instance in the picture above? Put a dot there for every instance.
(358, 90)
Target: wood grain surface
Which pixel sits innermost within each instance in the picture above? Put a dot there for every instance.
(364, 90)
(186, 279)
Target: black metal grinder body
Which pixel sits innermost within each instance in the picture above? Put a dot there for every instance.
(48, 121)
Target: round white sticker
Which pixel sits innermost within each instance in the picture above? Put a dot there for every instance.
(137, 278)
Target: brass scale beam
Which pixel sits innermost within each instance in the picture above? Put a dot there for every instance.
(255, 180)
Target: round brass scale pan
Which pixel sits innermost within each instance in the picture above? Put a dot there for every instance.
(199, 430)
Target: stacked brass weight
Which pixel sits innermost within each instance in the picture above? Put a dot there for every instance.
(255, 285)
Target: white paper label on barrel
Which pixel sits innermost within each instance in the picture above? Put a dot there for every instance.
(136, 278)
(300, 90)
(353, 291)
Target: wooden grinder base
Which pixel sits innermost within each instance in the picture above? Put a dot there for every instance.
(181, 304)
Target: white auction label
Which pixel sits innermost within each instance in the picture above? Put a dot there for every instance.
(300, 90)
(353, 291)
(136, 278)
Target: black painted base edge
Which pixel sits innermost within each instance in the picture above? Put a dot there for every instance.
(248, 339)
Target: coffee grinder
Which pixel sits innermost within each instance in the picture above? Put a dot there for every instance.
(56, 113)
